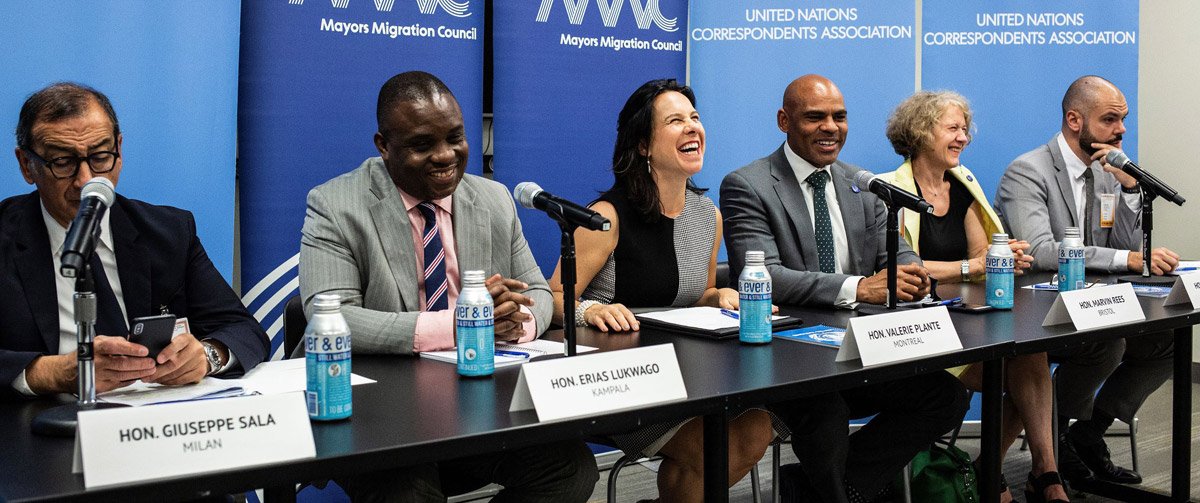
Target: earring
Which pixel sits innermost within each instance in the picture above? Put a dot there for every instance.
(648, 170)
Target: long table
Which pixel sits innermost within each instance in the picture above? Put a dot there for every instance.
(421, 411)
(1024, 323)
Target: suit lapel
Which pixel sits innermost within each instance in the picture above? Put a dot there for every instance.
(1063, 177)
(471, 237)
(792, 199)
(133, 264)
(35, 266)
(395, 235)
(853, 219)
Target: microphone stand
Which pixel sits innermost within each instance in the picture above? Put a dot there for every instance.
(567, 255)
(61, 421)
(1146, 278)
(893, 247)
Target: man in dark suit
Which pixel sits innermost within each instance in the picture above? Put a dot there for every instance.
(1066, 183)
(824, 240)
(148, 261)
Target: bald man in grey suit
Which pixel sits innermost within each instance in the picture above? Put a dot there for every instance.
(1043, 192)
(392, 238)
(776, 204)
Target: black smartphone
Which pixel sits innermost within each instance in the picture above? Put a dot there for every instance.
(966, 307)
(154, 332)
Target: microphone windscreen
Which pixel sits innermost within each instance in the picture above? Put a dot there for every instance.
(100, 188)
(524, 193)
(863, 179)
(1116, 158)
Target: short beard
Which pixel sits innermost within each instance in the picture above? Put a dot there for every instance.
(1086, 139)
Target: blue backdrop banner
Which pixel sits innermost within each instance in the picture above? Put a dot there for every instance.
(175, 98)
(563, 69)
(311, 73)
(1013, 62)
(745, 53)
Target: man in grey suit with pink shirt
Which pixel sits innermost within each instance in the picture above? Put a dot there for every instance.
(392, 238)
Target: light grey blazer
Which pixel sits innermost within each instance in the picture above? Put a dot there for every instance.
(764, 209)
(357, 242)
(1035, 203)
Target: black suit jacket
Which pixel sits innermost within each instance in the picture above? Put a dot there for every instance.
(160, 261)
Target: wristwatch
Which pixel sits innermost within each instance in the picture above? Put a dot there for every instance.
(213, 356)
(966, 271)
(1136, 189)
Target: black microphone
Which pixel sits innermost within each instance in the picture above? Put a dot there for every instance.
(97, 195)
(891, 194)
(531, 196)
(1118, 159)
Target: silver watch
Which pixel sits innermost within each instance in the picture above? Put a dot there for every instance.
(214, 357)
(966, 271)
(580, 320)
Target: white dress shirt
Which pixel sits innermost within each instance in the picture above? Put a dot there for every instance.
(1075, 169)
(848, 294)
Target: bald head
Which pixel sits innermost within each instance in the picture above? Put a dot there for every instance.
(808, 85)
(814, 117)
(1085, 92)
(1094, 112)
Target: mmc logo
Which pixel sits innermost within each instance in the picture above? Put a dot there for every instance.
(456, 9)
(610, 11)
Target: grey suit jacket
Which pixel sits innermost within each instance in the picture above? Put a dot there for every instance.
(1035, 203)
(764, 209)
(357, 242)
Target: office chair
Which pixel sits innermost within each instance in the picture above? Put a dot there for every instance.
(294, 324)
(626, 460)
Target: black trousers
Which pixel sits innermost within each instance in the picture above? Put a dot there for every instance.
(910, 414)
(550, 473)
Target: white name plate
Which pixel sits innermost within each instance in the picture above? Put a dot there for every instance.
(1185, 289)
(902, 335)
(137, 444)
(599, 382)
(1095, 307)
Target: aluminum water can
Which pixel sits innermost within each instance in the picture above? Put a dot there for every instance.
(327, 360)
(474, 327)
(1000, 265)
(1071, 265)
(754, 301)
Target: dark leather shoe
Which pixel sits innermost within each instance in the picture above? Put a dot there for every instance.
(1099, 461)
(1069, 465)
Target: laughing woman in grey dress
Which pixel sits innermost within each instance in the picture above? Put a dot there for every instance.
(661, 251)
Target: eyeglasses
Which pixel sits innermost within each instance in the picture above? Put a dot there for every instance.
(68, 166)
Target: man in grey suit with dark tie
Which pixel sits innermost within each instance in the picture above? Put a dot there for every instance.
(824, 240)
(392, 238)
(1066, 183)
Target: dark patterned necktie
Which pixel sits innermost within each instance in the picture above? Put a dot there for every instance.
(1089, 205)
(435, 260)
(108, 313)
(822, 224)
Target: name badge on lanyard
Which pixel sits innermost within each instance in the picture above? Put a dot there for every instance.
(1108, 210)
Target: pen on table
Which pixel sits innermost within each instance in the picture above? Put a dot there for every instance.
(1186, 269)
(519, 354)
(1045, 286)
(731, 314)
(948, 302)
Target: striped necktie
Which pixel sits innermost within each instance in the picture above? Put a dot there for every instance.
(435, 260)
(821, 221)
